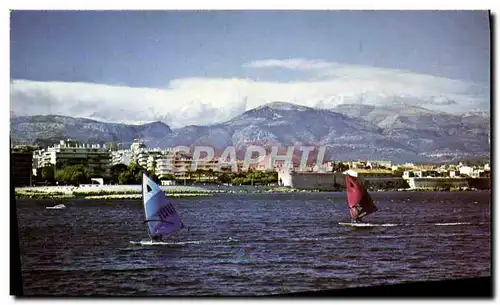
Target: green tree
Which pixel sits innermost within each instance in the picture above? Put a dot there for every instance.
(240, 180)
(61, 175)
(73, 174)
(135, 172)
(198, 172)
(154, 177)
(138, 176)
(124, 178)
(210, 173)
(48, 173)
(224, 178)
(118, 168)
(115, 171)
(398, 172)
(62, 164)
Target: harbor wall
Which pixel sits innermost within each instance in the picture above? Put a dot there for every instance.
(336, 181)
(309, 180)
(385, 183)
(445, 182)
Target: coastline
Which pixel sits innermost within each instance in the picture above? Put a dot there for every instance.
(113, 192)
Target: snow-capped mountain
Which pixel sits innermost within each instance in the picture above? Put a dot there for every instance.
(28, 129)
(349, 131)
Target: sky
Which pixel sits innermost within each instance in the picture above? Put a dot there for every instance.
(181, 65)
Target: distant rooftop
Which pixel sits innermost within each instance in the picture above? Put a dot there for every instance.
(24, 148)
(374, 171)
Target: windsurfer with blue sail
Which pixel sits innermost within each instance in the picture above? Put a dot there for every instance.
(161, 217)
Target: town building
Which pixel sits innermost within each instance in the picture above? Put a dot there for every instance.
(466, 170)
(378, 164)
(137, 145)
(173, 163)
(121, 157)
(369, 173)
(21, 164)
(93, 156)
(419, 173)
(144, 156)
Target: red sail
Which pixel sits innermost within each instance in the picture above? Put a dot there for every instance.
(359, 201)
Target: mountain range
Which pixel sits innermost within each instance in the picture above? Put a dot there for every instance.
(401, 133)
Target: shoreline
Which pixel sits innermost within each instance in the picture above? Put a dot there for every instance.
(113, 192)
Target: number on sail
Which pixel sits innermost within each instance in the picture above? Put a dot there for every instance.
(166, 211)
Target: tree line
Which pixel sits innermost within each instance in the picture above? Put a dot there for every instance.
(75, 174)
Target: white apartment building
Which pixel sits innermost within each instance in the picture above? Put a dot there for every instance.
(172, 163)
(151, 163)
(379, 163)
(164, 167)
(180, 164)
(466, 170)
(42, 158)
(141, 156)
(137, 145)
(121, 157)
(69, 152)
(477, 173)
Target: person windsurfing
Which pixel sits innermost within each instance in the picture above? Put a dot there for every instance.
(159, 237)
(156, 238)
(360, 203)
(161, 216)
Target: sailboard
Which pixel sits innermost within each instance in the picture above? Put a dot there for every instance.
(56, 207)
(162, 218)
(366, 225)
(360, 203)
(158, 243)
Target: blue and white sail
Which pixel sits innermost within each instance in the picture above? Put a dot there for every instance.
(161, 216)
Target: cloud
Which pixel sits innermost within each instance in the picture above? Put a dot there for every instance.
(201, 101)
(293, 64)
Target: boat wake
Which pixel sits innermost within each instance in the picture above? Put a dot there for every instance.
(367, 225)
(453, 223)
(182, 243)
(179, 244)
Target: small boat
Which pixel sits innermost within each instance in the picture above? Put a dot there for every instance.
(56, 207)
(360, 203)
(162, 218)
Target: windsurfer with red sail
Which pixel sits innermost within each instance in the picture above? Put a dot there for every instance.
(359, 201)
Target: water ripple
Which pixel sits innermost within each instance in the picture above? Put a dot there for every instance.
(253, 245)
